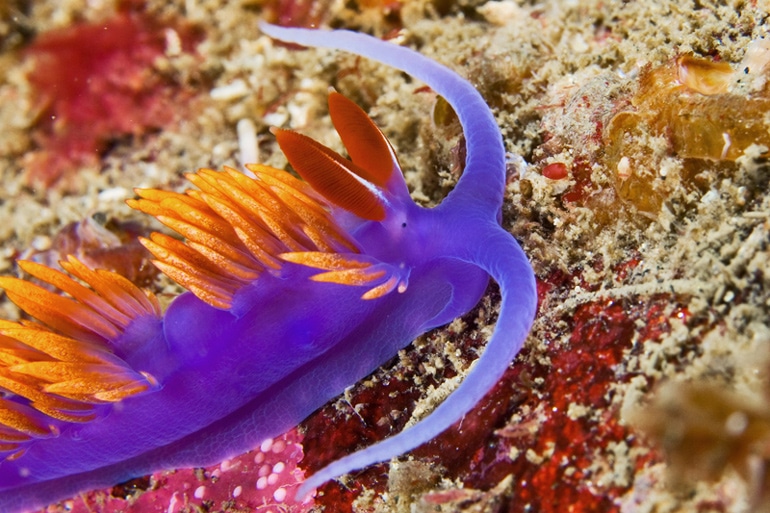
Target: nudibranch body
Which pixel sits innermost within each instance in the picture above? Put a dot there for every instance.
(298, 289)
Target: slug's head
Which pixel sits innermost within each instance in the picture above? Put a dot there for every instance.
(346, 218)
(369, 184)
(367, 190)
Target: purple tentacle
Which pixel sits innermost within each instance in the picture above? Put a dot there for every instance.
(483, 181)
(497, 253)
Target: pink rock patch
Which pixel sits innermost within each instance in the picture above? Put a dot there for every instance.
(265, 480)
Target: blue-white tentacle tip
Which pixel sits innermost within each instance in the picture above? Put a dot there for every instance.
(505, 261)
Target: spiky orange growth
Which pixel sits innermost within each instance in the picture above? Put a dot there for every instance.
(236, 228)
(61, 370)
(347, 269)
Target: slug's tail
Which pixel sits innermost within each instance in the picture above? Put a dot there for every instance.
(65, 368)
(497, 253)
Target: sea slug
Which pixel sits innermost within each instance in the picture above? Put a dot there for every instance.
(297, 289)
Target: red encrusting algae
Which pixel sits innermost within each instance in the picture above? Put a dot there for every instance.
(547, 423)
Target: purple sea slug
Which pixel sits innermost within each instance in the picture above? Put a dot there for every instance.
(297, 289)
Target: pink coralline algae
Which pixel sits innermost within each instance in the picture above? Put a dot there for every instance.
(263, 480)
(95, 83)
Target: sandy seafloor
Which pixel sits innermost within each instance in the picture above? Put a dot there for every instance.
(631, 222)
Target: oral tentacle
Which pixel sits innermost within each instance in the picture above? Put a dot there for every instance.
(482, 183)
(496, 252)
